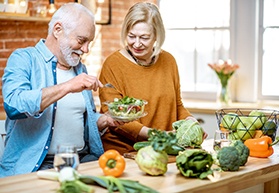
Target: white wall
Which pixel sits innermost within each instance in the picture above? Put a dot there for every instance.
(245, 49)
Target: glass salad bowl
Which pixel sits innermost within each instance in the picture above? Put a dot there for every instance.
(126, 109)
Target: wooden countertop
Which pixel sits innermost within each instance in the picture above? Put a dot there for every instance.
(256, 171)
(210, 107)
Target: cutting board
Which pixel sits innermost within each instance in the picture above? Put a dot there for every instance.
(132, 155)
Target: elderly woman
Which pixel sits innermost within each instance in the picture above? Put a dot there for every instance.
(141, 69)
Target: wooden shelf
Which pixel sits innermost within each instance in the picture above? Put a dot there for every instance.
(22, 17)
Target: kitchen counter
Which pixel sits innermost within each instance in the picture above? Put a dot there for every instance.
(210, 107)
(256, 171)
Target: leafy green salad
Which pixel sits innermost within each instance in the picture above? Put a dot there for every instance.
(127, 108)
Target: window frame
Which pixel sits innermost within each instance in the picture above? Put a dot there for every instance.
(261, 51)
(246, 49)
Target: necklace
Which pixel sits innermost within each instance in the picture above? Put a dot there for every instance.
(140, 63)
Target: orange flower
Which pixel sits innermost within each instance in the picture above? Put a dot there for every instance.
(224, 70)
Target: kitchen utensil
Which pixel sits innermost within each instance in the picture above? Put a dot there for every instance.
(109, 85)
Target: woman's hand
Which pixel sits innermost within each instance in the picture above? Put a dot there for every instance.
(205, 135)
(114, 123)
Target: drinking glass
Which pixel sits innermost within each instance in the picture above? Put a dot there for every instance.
(66, 156)
(221, 139)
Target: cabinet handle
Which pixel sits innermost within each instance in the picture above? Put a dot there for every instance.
(200, 120)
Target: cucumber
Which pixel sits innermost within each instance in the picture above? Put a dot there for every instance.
(141, 144)
(174, 150)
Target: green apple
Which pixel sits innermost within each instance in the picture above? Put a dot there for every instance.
(230, 121)
(245, 129)
(234, 136)
(269, 127)
(258, 118)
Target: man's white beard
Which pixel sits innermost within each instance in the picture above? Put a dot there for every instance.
(67, 52)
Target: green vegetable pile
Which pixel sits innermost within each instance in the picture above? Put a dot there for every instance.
(73, 182)
(189, 133)
(195, 163)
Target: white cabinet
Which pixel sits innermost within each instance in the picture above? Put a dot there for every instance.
(209, 124)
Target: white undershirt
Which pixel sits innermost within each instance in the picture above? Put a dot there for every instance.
(69, 120)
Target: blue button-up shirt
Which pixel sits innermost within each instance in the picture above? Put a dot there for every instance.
(29, 131)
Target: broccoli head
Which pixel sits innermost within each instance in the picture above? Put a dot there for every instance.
(243, 151)
(228, 158)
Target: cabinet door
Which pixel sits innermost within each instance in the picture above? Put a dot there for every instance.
(208, 123)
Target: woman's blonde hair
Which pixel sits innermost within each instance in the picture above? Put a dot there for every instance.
(148, 13)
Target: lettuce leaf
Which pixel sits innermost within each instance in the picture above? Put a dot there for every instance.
(195, 163)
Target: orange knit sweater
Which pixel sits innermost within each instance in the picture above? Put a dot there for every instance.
(158, 85)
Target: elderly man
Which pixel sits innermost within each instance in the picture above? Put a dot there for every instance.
(48, 96)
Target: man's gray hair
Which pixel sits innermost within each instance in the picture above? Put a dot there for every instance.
(68, 14)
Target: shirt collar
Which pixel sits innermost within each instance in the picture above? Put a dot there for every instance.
(45, 52)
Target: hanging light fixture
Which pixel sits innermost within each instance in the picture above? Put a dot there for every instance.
(22, 3)
(52, 7)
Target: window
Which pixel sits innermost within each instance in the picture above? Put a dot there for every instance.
(197, 35)
(270, 47)
(199, 32)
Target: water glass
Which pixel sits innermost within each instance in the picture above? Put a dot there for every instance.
(66, 156)
(221, 139)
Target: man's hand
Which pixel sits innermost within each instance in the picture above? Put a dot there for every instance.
(83, 82)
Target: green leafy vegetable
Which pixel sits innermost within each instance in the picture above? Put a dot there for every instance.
(127, 101)
(161, 140)
(195, 163)
(117, 184)
(74, 186)
(189, 133)
(170, 150)
(73, 182)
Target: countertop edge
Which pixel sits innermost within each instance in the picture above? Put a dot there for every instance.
(210, 107)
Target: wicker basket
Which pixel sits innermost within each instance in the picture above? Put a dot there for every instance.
(245, 125)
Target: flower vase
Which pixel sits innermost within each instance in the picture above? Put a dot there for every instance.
(223, 94)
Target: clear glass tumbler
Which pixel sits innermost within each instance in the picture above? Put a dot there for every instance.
(221, 139)
(66, 156)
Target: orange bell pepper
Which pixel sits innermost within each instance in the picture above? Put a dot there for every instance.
(112, 163)
(261, 147)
